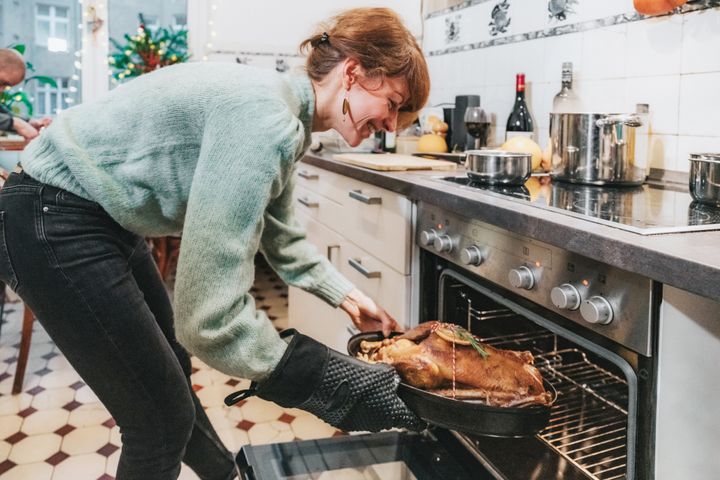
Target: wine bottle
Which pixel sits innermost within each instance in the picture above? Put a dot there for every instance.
(566, 100)
(520, 121)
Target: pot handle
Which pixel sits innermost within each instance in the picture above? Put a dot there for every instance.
(629, 119)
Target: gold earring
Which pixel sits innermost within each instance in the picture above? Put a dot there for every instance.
(345, 106)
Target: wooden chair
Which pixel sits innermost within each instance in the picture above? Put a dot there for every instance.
(25, 339)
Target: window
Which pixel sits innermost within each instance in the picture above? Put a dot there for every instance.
(151, 22)
(52, 27)
(49, 101)
(179, 21)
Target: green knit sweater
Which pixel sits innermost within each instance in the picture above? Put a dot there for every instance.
(206, 150)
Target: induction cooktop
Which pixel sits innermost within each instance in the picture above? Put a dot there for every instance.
(646, 209)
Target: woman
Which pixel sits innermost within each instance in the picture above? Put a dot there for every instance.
(207, 150)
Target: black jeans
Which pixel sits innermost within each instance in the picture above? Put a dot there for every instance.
(97, 292)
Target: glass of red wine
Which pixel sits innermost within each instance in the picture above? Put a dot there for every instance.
(477, 125)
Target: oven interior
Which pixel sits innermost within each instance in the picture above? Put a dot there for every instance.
(592, 429)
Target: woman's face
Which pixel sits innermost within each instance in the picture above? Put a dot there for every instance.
(374, 105)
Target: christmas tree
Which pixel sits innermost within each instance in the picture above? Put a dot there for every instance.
(148, 50)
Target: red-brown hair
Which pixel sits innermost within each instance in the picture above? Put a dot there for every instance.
(380, 42)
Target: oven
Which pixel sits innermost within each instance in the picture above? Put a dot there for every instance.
(592, 329)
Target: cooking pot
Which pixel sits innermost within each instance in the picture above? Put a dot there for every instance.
(498, 167)
(596, 149)
(705, 178)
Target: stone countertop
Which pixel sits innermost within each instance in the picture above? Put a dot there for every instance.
(689, 261)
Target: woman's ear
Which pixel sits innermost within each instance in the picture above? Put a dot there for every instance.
(350, 71)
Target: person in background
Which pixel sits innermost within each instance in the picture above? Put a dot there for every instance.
(12, 72)
(208, 150)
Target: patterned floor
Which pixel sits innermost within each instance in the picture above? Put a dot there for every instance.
(58, 430)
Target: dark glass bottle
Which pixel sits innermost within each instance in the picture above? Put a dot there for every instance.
(520, 121)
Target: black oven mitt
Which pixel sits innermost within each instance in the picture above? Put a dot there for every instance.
(347, 393)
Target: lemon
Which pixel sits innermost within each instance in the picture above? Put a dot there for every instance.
(432, 143)
(522, 144)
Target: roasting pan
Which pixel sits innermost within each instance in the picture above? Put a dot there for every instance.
(467, 416)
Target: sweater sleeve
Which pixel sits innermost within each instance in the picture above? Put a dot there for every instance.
(238, 173)
(296, 260)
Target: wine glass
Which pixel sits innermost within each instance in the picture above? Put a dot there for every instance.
(476, 122)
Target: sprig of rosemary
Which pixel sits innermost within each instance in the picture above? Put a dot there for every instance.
(463, 334)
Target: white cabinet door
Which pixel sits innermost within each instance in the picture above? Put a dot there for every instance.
(309, 314)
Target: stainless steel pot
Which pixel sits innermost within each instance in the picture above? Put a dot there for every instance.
(705, 178)
(596, 149)
(498, 167)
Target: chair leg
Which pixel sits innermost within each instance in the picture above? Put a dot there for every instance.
(25, 339)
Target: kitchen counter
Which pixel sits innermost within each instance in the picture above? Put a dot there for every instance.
(689, 261)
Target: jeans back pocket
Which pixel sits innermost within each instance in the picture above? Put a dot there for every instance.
(7, 273)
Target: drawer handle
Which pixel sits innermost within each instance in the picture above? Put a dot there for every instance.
(307, 202)
(360, 197)
(360, 268)
(329, 251)
(307, 175)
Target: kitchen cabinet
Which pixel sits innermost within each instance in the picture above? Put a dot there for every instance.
(365, 232)
(688, 415)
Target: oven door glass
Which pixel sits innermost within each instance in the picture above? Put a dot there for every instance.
(381, 456)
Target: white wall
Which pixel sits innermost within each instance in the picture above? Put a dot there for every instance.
(620, 59)
(260, 33)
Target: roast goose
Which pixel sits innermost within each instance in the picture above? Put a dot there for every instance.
(447, 360)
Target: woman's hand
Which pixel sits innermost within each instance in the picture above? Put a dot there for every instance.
(23, 128)
(366, 314)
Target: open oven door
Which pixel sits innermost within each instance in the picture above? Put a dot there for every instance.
(380, 456)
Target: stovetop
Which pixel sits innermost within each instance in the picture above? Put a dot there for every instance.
(646, 209)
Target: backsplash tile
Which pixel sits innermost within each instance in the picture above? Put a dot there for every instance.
(620, 58)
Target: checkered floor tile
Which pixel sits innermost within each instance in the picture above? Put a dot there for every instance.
(57, 429)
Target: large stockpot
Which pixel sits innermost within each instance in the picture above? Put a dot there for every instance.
(705, 178)
(498, 167)
(596, 149)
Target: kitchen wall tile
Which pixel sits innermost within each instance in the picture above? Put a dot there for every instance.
(662, 94)
(504, 61)
(653, 46)
(528, 16)
(662, 151)
(602, 95)
(604, 49)
(434, 33)
(560, 49)
(691, 144)
(539, 100)
(699, 100)
(701, 42)
(592, 10)
(474, 23)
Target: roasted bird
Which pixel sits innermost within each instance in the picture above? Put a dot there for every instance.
(447, 360)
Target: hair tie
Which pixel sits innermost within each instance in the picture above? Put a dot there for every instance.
(324, 38)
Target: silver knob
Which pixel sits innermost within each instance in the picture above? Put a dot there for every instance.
(521, 277)
(597, 310)
(471, 256)
(565, 297)
(427, 237)
(443, 243)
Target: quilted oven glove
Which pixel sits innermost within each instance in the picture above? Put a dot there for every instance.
(347, 393)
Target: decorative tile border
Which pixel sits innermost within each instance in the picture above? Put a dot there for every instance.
(454, 8)
(498, 27)
(254, 54)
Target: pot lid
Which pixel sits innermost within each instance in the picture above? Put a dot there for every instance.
(705, 157)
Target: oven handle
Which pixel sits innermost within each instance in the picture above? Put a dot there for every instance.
(357, 265)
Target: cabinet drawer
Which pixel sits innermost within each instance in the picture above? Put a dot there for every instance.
(378, 221)
(390, 289)
(316, 180)
(319, 207)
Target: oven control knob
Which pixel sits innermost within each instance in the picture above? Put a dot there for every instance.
(597, 310)
(471, 256)
(427, 237)
(521, 277)
(565, 297)
(443, 243)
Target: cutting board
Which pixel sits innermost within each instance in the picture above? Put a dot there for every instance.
(393, 161)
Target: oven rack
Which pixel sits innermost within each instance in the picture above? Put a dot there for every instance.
(588, 422)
